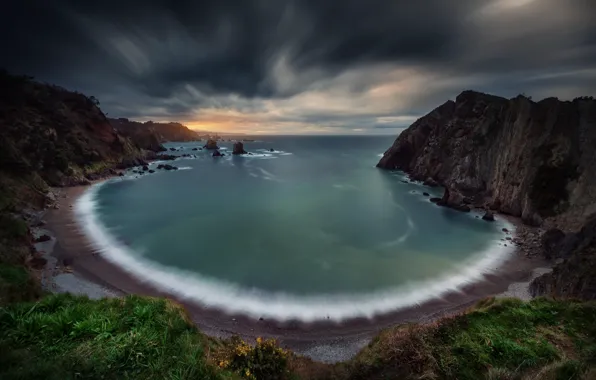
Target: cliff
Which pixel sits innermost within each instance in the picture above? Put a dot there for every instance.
(529, 159)
(58, 135)
(150, 135)
(575, 276)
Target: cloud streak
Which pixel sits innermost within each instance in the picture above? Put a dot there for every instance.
(307, 66)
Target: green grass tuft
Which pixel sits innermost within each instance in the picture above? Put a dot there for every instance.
(65, 336)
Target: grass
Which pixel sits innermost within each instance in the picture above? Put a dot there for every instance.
(504, 336)
(64, 336)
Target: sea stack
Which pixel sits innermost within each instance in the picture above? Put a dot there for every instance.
(238, 148)
(211, 144)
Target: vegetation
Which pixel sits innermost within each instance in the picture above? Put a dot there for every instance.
(264, 360)
(64, 336)
(499, 339)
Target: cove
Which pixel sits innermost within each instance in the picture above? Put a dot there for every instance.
(309, 230)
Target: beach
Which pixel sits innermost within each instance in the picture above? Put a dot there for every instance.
(74, 266)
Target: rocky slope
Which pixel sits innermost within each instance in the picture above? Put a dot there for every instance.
(575, 276)
(60, 136)
(150, 135)
(529, 159)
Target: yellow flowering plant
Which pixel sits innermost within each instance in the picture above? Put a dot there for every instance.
(265, 360)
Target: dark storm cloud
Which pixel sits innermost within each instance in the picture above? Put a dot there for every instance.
(280, 59)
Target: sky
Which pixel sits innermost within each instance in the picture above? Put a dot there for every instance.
(300, 66)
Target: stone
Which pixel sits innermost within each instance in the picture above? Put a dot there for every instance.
(435, 200)
(195, 149)
(426, 194)
(453, 200)
(211, 144)
(505, 230)
(238, 148)
(145, 168)
(43, 238)
(217, 153)
(151, 171)
(173, 149)
(271, 150)
(430, 182)
(488, 216)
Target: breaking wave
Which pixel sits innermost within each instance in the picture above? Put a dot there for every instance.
(256, 303)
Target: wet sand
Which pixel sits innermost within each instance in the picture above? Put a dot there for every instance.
(325, 341)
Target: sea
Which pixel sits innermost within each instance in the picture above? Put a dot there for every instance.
(304, 227)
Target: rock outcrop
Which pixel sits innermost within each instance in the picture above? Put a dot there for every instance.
(576, 275)
(211, 144)
(150, 135)
(238, 148)
(535, 160)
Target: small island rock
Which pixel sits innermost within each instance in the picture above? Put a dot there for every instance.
(238, 148)
(211, 144)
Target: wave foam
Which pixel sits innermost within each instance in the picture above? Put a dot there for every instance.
(280, 306)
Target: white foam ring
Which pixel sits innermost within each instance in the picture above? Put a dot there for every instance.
(279, 306)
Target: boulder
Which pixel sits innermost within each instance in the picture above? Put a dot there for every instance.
(173, 149)
(453, 200)
(217, 153)
(151, 171)
(488, 216)
(238, 148)
(43, 238)
(272, 150)
(145, 168)
(430, 182)
(435, 200)
(211, 144)
(426, 194)
(195, 149)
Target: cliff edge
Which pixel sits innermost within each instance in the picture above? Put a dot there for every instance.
(534, 160)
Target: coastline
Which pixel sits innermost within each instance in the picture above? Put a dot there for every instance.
(87, 272)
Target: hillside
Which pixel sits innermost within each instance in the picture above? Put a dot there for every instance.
(150, 135)
(529, 159)
(58, 135)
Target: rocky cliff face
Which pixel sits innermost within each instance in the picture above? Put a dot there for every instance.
(576, 275)
(150, 135)
(58, 135)
(530, 159)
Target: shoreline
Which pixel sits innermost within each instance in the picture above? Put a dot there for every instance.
(326, 341)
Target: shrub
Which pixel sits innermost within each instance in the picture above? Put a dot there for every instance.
(266, 360)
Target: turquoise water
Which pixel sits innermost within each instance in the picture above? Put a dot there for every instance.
(313, 218)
